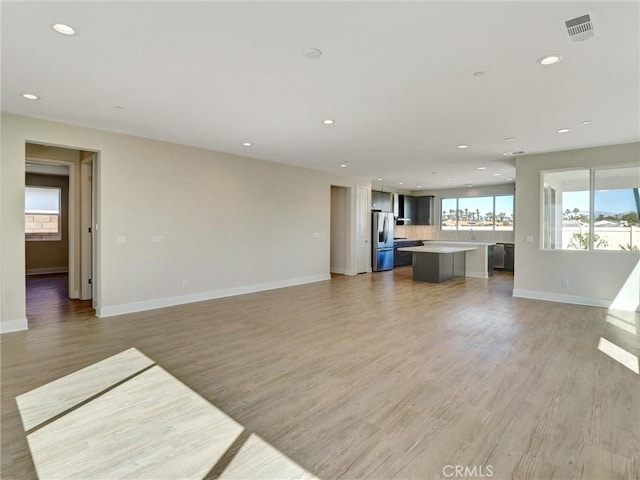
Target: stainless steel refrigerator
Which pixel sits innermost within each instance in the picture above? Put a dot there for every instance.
(382, 244)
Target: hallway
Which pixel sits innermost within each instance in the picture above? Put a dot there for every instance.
(48, 300)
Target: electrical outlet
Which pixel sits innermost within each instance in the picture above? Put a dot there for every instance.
(528, 239)
(565, 282)
(184, 282)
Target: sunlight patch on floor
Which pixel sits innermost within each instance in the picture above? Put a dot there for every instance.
(126, 417)
(622, 319)
(619, 354)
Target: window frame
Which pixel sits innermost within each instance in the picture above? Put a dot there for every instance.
(493, 219)
(592, 180)
(45, 237)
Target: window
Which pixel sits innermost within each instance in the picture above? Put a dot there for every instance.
(566, 211)
(42, 213)
(477, 213)
(449, 218)
(591, 209)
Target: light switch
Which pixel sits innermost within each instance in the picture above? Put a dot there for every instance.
(158, 239)
(528, 239)
(121, 240)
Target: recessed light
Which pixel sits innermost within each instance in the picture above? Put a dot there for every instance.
(463, 146)
(452, 178)
(549, 59)
(343, 165)
(509, 139)
(511, 154)
(328, 122)
(509, 179)
(400, 183)
(564, 130)
(64, 29)
(418, 186)
(586, 122)
(496, 174)
(246, 144)
(468, 185)
(312, 53)
(380, 179)
(30, 96)
(482, 168)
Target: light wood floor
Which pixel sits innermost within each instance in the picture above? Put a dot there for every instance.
(376, 376)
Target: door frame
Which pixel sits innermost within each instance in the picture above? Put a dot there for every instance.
(86, 227)
(362, 229)
(71, 213)
(344, 270)
(75, 219)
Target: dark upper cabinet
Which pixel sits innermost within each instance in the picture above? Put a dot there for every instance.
(424, 210)
(381, 201)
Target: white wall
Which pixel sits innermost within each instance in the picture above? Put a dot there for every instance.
(231, 224)
(595, 278)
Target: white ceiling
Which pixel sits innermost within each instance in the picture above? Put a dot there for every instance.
(396, 77)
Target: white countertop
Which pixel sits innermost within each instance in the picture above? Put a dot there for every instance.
(457, 243)
(437, 249)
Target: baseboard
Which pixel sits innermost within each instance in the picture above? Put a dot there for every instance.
(476, 274)
(47, 270)
(338, 270)
(122, 309)
(9, 326)
(557, 297)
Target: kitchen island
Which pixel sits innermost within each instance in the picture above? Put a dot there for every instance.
(438, 263)
(479, 260)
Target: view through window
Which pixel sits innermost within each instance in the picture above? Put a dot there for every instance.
(42, 213)
(477, 213)
(576, 216)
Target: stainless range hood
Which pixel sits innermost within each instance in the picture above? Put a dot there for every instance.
(403, 209)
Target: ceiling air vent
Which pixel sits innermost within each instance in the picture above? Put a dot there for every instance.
(580, 28)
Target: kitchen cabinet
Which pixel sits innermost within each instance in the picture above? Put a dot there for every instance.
(437, 264)
(382, 201)
(503, 256)
(400, 258)
(424, 210)
(406, 211)
(509, 253)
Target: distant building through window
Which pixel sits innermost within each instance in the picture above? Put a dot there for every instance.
(591, 209)
(42, 213)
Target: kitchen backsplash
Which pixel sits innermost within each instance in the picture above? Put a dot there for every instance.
(416, 232)
(433, 232)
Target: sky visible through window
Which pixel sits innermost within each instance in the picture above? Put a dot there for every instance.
(606, 201)
(467, 213)
(42, 200)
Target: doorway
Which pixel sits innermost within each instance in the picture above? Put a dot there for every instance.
(350, 230)
(339, 228)
(59, 221)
